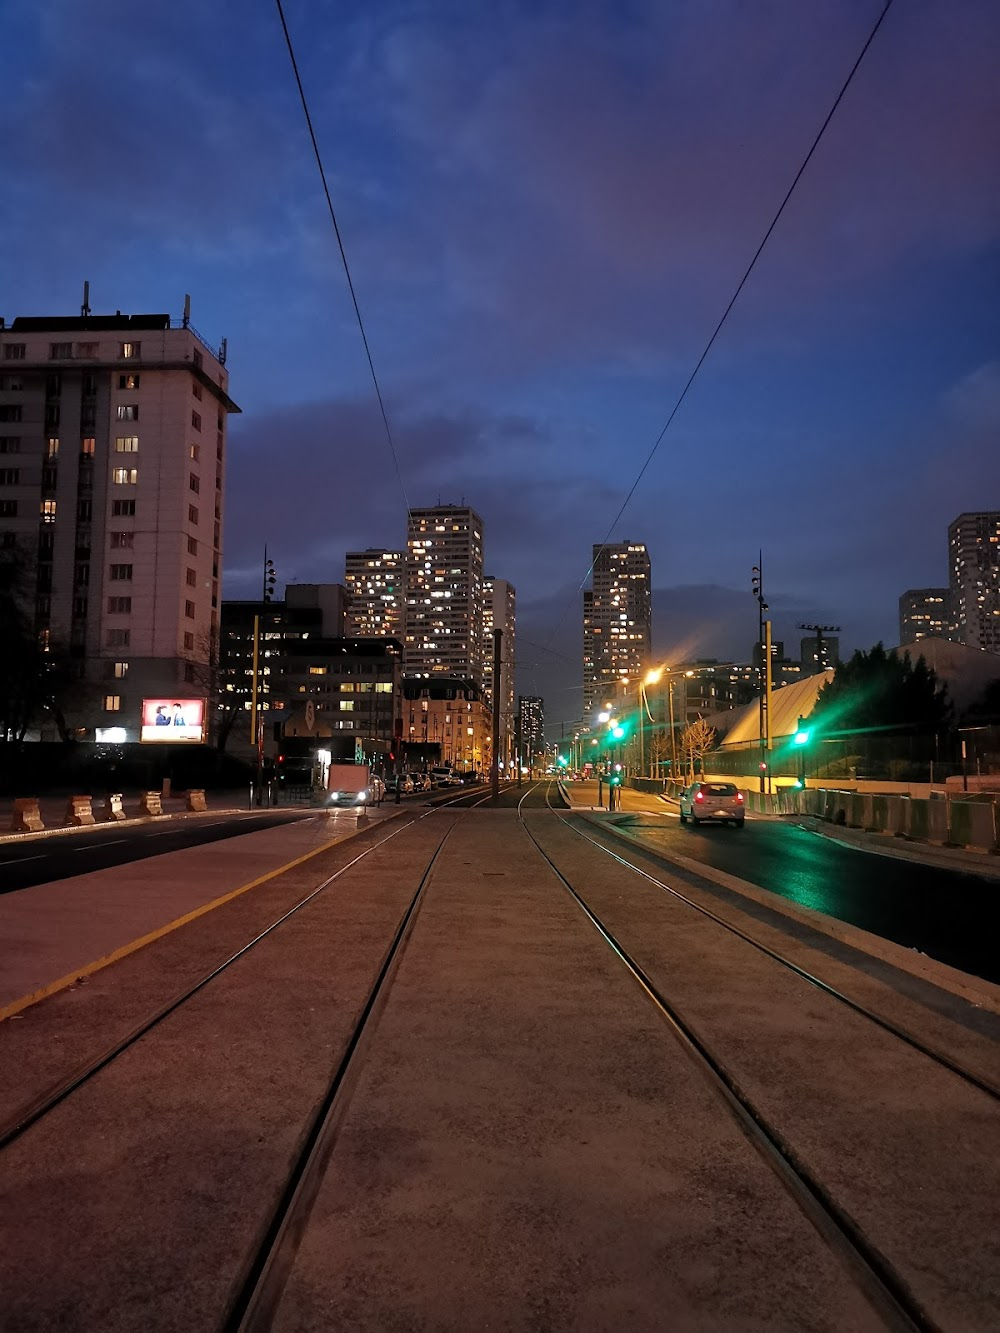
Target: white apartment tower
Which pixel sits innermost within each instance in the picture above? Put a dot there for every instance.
(374, 583)
(112, 458)
(974, 578)
(499, 613)
(443, 613)
(616, 622)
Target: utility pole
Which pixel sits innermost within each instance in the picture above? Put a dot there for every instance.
(268, 580)
(497, 685)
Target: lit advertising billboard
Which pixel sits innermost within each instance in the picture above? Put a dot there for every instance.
(172, 720)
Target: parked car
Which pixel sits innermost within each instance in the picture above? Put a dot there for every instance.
(442, 777)
(403, 781)
(422, 782)
(712, 802)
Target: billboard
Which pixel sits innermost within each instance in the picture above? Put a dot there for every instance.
(172, 720)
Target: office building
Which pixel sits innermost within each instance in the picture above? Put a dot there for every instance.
(616, 623)
(374, 583)
(112, 464)
(303, 655)
(443, 611)
(974, 579)
(498, 613)
(925, 613)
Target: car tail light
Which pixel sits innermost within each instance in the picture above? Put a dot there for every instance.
(699, 796)
(739, 797)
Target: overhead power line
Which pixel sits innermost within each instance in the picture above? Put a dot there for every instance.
(343, 254)
(735, 296)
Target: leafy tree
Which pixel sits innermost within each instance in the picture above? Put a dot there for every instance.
(880, 690)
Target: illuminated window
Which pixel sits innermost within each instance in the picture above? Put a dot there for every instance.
(112, 703)
(47, 510)
(88, 447)
(125, 476)
(127, 444)
(129, 351)
(121, 670)
(51, 447)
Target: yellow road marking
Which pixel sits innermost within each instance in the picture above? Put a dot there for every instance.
(26, 1001)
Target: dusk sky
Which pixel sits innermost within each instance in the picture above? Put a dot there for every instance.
(546, 207)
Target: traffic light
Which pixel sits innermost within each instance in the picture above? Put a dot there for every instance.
(618, 732)
(563, 760)
(270, 579)
(615, 778)
(801, 736)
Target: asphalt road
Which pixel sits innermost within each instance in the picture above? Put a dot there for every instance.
(41, 860)
(944, 913)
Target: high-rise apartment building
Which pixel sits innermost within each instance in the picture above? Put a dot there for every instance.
(925, 612)
(531, 708)
(974, 578)
(443, 612)
(374, 583)
(112, 458)
(498, 613)
(616, 622)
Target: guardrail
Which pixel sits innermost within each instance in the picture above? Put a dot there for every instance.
(27, 816)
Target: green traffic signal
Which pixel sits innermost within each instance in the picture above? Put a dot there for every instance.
(618, 732)
(801, 736)
(563, 760)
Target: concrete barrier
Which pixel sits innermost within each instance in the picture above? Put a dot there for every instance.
(79, 812)
(895, 814)
(150, 804)
(877, 814)
(856, 809)
(972, 824)
(27, 817)
(196, 801)
(113, 807)
(938, 819)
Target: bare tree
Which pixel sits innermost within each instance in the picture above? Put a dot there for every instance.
(696, 741)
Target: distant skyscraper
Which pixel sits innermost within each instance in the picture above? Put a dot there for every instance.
(924, 612)
(443, 612)
(532, 710)
(616, 622)
(498, 613)
(974, 578)
(112, 459)
(374, 583)
(819, 653)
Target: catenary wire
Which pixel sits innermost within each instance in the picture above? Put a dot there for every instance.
(343, 254)
(733, 299)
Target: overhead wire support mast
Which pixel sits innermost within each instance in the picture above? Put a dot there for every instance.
(736, 294)
(343, 253)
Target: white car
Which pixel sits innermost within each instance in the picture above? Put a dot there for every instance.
(712, 803)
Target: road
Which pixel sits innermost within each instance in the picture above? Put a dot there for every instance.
(41, 860)
(942, 912)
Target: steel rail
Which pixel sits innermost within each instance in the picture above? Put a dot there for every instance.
(883, 1285)
(978, 1081)
(57, 1093)
(259, 1294)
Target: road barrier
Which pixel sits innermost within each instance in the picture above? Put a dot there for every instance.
(27, 816)
(78, 812)
(113, 806)
(196, 801)
(150, 805)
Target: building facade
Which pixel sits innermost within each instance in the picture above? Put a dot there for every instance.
(374, 583)
(112, 468)
(925, 613)
(531, 708)
(447, 712)
(616, 622)
(443, 593)
(974, 578)
(499, 607)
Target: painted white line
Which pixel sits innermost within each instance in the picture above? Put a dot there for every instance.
(165, 834)
(21, 860)
(96, 848)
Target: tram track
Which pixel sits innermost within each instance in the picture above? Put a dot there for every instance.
(883, 1281)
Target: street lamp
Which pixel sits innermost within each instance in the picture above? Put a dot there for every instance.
(651, 678)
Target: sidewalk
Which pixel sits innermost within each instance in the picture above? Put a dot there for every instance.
(52, 934)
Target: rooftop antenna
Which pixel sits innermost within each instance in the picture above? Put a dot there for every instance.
(223, 351)
(85, 308)
(187, 309)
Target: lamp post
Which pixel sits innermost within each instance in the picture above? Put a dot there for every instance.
(764, 640)
(652, 677)
(268, 580)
